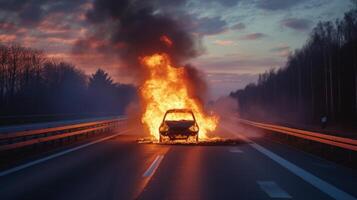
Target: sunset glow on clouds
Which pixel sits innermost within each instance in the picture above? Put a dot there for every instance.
(241, 38)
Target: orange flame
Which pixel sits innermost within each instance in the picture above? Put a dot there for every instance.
(166, 88)
(166, 40)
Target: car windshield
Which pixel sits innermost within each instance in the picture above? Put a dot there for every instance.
(179, 116)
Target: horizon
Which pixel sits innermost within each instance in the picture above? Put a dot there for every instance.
(247, 40)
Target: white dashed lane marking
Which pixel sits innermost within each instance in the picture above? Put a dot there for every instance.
(322, 185)
(273, 190)
(153, 167)
(308, 177)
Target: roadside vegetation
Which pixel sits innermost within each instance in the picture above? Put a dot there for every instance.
(32, 84)
(320, 79)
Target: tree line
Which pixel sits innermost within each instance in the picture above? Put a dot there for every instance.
(32, 84)
(320, 79)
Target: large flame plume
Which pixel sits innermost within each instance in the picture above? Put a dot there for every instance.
(165, 88)
(154, 32)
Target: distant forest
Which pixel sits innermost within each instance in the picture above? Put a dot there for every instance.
(320, 79)
(32, 84)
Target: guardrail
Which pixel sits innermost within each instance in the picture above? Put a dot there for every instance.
(10, 141)
(336, 141)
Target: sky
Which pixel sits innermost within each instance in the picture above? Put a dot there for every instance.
(239, 38)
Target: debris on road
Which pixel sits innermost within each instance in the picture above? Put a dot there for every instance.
(202, 142)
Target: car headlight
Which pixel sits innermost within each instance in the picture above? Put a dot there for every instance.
(194, 128)
(163, 128)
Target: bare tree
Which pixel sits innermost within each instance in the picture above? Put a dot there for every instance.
(321, 77)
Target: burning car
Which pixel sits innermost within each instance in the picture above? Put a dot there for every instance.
(179, 124)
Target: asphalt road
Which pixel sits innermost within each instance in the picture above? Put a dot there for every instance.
(119, 168)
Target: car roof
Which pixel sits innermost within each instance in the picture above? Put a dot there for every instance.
(179, 111)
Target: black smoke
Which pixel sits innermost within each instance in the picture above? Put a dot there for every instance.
(131, 29)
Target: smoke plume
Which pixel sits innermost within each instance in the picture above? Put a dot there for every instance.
(131, 29)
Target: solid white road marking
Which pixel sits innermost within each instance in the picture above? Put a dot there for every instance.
(235, 150)
(322, 185)
(273, 189)
(41, 160)
(153, 167)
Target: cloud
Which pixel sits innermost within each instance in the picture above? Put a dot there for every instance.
(277, 4)
(281, 50)
(238, 26)
(226, 3)
(239, 64)
(223, 42)
(6, 38)
(27, 12)
(12, 5)
(296, 24)
(253, 36)
(231, 77)
(208, 25)
(7, 26)
(32, 12)
(221, 84)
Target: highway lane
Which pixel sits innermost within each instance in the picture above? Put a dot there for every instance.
(119, 168)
